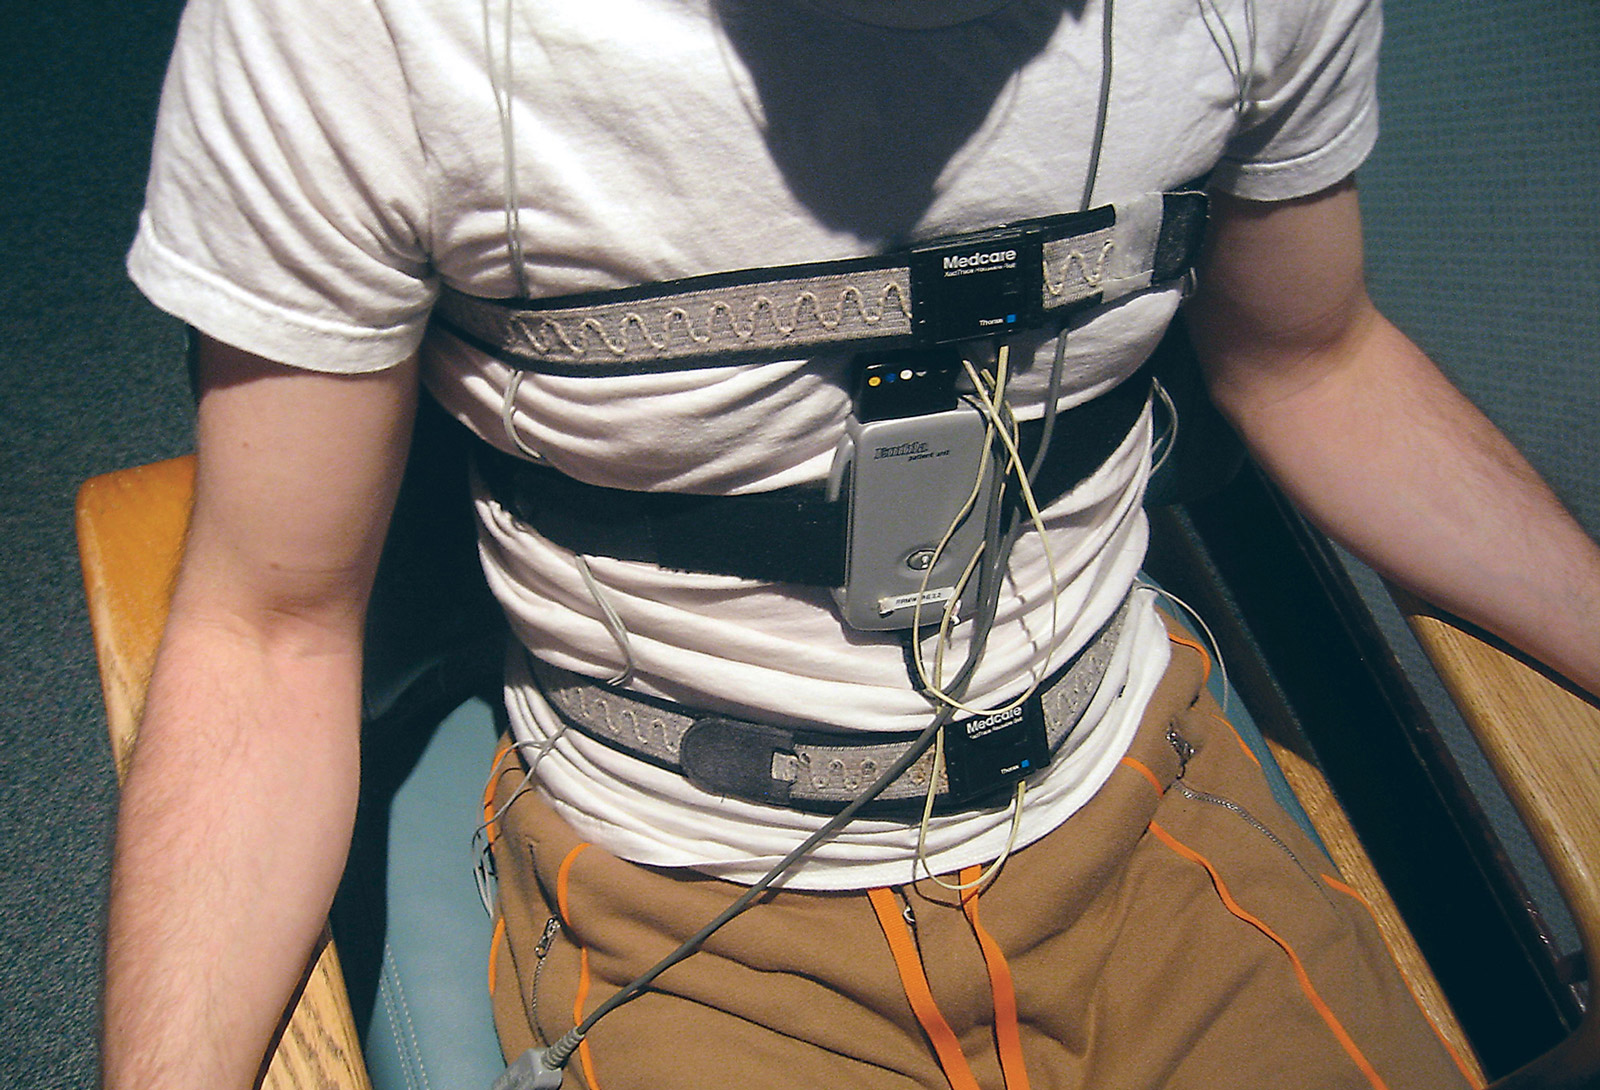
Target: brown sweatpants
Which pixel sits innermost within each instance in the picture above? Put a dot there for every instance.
(1175, 932)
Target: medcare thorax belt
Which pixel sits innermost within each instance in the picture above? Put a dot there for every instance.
(818, 770)
(1017, 277)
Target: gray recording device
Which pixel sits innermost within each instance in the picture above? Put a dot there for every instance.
(907, 480)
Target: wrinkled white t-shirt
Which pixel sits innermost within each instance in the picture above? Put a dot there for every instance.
(321, 168)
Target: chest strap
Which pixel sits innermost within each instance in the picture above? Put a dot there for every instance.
(1019, 276)
(788, 535)
(820, 770)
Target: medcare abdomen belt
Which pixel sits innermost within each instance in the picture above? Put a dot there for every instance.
(819, 770)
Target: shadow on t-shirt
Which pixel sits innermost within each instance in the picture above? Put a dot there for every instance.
(863, 119)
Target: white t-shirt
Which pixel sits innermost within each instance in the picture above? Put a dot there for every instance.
(321, 168)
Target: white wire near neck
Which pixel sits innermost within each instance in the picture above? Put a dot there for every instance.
(1239, 63)
(502, 84)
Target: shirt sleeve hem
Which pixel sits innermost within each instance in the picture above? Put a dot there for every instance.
(220, 309)
(1304, 174)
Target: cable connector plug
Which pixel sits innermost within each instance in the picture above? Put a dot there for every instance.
(530, 1071)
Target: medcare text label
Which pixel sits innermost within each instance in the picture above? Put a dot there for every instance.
(976, 262)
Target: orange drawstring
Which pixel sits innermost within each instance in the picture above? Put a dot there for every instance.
(915, 982)
(1007, 1034)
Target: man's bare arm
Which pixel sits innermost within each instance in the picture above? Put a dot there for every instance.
(237, 810)
(1374, 444)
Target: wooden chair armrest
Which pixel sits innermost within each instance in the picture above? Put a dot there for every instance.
(131, 526)
(1355, 866)
(1542, 739)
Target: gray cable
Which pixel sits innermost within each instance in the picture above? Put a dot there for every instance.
(1104, 110)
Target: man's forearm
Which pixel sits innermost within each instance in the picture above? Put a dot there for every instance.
(1371, 441)
(233, 831)
(1386, 456)
(237, 811)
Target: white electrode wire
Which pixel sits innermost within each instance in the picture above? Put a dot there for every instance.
(997, 418)
(948, 614)
(1052, 404)
(1211, 640)
(947, 617)
(483, 870)
(920, 860)
(1231, 59)
(502, 83)
(1241, 66)
(508, 416)
(1168, 440)
(1036, 519)
(1249, 81)
(613, 623)
(947, 621)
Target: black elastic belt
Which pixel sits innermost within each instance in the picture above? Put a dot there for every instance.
(1019, 276)
(820, 770)
(788, 535)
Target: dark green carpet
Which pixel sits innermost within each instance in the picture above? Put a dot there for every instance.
(90, 379)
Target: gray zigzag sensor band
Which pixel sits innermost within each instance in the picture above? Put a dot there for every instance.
(893, 300)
